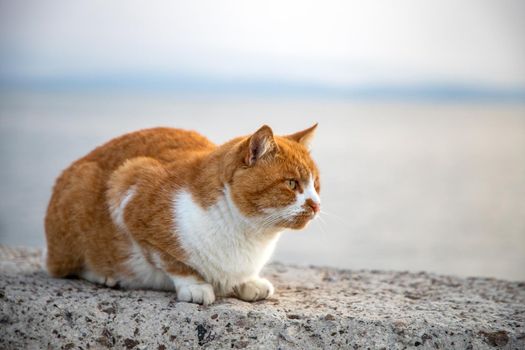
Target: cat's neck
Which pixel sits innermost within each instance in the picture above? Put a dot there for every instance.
(249, 226)
(221, 223)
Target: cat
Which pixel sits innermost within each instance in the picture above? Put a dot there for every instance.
(167, 209)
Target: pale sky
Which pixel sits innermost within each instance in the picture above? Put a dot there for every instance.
(329, 42)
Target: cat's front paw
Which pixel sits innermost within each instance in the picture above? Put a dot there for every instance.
(253, 290)
(199, 293)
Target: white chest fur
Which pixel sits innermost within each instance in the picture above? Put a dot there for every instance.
(224, 246)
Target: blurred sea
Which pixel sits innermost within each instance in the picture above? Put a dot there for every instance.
(405, 186)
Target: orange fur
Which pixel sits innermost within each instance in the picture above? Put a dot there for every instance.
(81, 234)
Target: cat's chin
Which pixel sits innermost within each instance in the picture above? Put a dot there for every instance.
(300, 222)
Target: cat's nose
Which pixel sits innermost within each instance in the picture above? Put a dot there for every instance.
(316, 207)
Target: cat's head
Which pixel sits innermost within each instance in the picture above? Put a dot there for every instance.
(276, 179)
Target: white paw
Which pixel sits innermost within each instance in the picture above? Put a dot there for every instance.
(256, 289)
(110, 282)
(95, 278)
(199, 293)
(92, 277)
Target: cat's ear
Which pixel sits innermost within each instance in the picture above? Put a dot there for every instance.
(260, 144)
(305, 136)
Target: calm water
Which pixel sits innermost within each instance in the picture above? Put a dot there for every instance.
(405, 187)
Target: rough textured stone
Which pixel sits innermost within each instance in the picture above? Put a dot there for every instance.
(313, 308)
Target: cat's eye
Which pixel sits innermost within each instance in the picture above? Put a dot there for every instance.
(292, 184)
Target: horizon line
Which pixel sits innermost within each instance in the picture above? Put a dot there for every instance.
(421, 91)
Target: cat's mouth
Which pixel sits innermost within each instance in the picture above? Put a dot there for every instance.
(310, 210)
(310, 214)
(300, 220)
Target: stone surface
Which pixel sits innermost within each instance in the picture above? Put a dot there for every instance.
(313, 308)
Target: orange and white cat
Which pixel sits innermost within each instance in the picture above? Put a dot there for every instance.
(167, 209)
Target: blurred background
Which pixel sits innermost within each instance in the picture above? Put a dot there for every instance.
(421, 106)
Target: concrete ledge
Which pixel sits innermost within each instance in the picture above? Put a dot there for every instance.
(314, 308)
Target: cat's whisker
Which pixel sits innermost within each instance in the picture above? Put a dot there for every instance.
(321, 227)
(271, 220)
(341, 220)
(322, 220)
(323, 211)
(286, 215)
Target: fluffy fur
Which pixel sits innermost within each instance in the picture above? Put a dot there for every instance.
(167, 209)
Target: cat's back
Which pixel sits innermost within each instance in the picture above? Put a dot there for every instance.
(162, 144)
